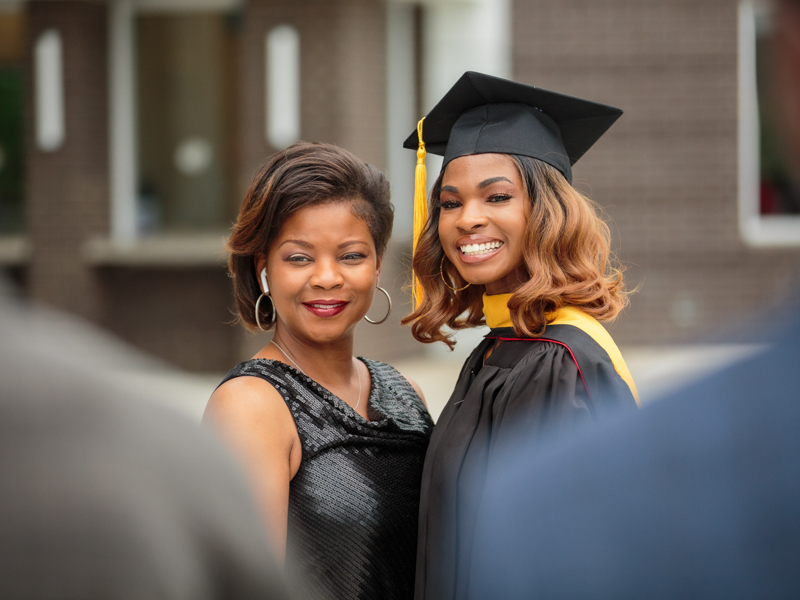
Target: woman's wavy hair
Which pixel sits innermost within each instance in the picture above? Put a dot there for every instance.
(304, 174)
(566, 255)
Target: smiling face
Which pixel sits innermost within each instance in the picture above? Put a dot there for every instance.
(484, 213)
(322, 270)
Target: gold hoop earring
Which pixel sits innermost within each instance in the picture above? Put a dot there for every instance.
(389, 298)
(441, 274)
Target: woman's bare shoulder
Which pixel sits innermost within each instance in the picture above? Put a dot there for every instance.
(249, 401)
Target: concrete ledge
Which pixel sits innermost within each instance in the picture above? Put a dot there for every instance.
(15, 250)
(171, 250)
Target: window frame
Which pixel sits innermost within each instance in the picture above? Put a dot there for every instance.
(123, 109)
(757, 230)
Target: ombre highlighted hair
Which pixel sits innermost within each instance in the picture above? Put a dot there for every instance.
(566, 253)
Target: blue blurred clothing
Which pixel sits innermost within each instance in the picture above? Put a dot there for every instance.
(697, 495)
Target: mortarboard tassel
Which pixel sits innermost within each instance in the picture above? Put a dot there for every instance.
(420, 210)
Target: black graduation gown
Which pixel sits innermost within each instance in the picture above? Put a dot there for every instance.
(535, 385)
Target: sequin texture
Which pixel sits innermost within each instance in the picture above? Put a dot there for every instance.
(354, 502)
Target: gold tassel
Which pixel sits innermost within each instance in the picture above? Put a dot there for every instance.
(420, 210)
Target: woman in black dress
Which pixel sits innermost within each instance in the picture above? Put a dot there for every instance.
(510, 243)
(334, 444)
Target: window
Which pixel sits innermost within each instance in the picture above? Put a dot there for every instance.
(48, 75)
(185, 121)
(12, 150)
(769, 199)
(778, 194)
(282, 61)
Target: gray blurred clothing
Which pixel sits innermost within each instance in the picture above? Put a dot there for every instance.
(105, 495)
(696, 496)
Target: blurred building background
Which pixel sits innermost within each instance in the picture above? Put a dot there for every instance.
(130, 129)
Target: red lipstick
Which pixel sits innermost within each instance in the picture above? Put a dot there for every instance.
(325, 308)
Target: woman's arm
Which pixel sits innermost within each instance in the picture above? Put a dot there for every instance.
(253, 417)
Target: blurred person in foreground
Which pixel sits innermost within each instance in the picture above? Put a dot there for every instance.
(510, 242)
(334, 443)
(107, 495)
(696, 496)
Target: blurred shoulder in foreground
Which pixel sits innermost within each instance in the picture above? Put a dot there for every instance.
(696, 495)
(106, 495)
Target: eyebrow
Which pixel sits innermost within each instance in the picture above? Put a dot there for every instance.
(483, 184)
(487, 182)
(304, 244)
(298, 242)
(353, 243)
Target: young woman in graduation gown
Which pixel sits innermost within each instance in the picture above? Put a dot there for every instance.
(510, 243)
(334, 444)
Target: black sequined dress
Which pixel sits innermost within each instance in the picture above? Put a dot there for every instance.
(354, 502)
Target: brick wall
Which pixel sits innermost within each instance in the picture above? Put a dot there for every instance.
(342, 76)
(667, 170)
(177, 314)
(183, 314)
(67, 189)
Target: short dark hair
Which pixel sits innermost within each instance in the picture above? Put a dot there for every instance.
(304, 174)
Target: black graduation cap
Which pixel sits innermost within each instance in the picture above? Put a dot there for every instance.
(482, 113)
